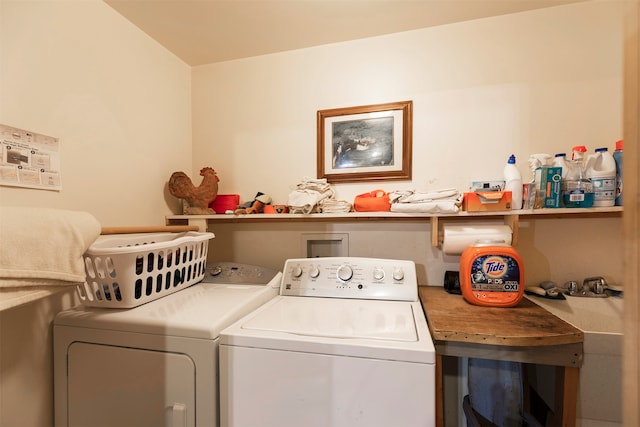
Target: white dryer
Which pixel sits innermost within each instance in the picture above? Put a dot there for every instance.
(156, 364)
(345, 344)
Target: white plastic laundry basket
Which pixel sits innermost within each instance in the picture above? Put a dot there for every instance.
(125, 271)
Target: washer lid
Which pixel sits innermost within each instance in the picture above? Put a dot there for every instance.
(199, 311)
(338, 318)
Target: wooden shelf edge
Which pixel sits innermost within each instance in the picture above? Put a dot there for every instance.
(510, 218)
(395, 215)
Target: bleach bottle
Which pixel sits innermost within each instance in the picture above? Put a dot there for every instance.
(617, 156)
(560, 161)
(513, 182)
(601, 169)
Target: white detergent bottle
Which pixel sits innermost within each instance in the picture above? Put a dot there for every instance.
(513, 182)
(601, 169)
(617, 155)
(560, 161)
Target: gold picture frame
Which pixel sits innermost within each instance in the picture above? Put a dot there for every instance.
(365, 143)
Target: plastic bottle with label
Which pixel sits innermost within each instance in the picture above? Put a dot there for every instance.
(601, 169)
(577, 189)
(491, 274)
(617, 156)
(560, 160)
(513, 182)
(536, 163)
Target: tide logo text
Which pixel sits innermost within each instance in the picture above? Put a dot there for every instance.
(495, 267)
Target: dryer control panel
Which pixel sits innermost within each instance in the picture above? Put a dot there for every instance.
(235, 273)
(350, 277)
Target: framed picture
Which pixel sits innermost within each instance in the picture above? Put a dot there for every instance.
(366, 143)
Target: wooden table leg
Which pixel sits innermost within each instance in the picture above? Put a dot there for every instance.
(439, 392)
(566, 404)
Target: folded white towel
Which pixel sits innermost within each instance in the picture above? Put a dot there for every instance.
(44, 244)
(440, 201)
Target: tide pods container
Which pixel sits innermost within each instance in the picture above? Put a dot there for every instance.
(491, 274)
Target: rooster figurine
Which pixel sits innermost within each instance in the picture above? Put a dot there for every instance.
(197, 198)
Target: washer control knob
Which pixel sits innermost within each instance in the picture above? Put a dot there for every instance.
(398, 274)
(378, 273)
(297, 271)
(345, 273)
(314, 272)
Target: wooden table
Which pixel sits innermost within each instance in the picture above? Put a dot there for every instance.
(526, 333)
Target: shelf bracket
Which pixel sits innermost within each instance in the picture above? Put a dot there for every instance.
(435, 238)
(511, 220)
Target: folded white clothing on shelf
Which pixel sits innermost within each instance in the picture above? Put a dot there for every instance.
(331, 205)
(308, 195)
(440, 201)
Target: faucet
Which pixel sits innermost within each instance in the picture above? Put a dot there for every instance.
(591, 287)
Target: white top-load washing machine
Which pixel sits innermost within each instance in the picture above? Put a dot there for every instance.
(155, 364)
(345, 344)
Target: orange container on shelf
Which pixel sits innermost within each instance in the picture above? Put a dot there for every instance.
(485, 201)
(491, 274)
(374, 201)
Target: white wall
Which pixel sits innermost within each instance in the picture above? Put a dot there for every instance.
(534, 82)
(26, 360)
(120, 105)
(116, 99)
(540, 81)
